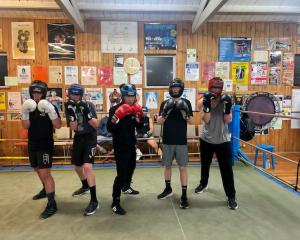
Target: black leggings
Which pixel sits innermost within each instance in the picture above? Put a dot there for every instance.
(126, 162)
(224, 156)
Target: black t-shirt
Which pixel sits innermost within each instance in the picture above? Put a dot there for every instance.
(40, 132)
(83, 127)
(124, 131)
(145, 128)
(175, 126)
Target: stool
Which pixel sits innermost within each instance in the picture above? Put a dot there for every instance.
(264, 157)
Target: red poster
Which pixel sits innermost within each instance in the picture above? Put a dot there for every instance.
(40, 73)
(105, 76)
(208, 71)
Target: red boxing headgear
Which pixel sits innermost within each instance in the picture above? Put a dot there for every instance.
(215, 82)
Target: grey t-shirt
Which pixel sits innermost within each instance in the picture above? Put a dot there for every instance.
(216, 131)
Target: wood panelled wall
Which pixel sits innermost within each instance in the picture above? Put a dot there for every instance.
(88, 52)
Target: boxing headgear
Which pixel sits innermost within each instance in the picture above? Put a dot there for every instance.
(127, 89)
(176, 82)
(76, 89)
(38, 86)
(215, 82)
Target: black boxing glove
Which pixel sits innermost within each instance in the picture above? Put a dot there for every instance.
(168, 107)
(184, 108)
(84, 108)
(70, 109)
(227, 101)
(207, 97)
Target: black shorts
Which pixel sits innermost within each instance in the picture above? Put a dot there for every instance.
(40, 159)
(84, 148)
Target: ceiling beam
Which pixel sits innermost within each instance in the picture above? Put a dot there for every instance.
(203, 15)
(28, 5)
(228, 8)
(72, 12)
(142, 7)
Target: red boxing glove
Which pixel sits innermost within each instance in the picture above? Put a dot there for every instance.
(121, 112)
(138, 112)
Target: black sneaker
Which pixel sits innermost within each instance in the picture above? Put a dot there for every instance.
(50, 210)
(80, 192)
(184, 204)
(166, 193)
(117, 209)
(40, 195)
(200, 188)
(130, 191)
(232, 204)
(91, 208)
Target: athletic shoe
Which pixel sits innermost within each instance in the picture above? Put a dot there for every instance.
(80, 192)
(200, 188)
(50, 210)
(117, 209)
(130, 191)
(184, 204)
(139, 154)
(232, 204)
(166, 193)
(40, 195)
(91, 208)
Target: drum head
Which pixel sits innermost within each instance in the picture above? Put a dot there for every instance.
(260, 103)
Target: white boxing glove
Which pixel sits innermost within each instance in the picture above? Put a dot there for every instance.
(28, 106)
(47, 107)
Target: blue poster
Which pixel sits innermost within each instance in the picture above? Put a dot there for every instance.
(160, 36)
(234, 49)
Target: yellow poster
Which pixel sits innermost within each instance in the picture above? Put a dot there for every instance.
(22, 40)
(2, 101)
(240, 73)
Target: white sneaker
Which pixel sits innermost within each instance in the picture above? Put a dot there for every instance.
(139, 154)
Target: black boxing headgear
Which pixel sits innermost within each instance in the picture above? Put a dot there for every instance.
(38, 86)
(176, 82)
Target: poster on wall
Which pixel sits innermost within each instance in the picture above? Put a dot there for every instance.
(139, 96)
(258, 73)
(113, 97)
(61, 41)
(260, 56)
(191, 55)
(2, 101)
(54, 95)
(22, 40)
(105, 76)
(274, 76)
(1, 39)
(160, 36)
(119, 37)
(40, 73)
(192, 71)
(239, 73)
(222, 70)
(137, 78)
(55, 74)
(208, 71)
(11, 81)
(287, 78)
(275, 59)
(24, 94)
(295, 123)
(88, 75)
(234, 49)
(24, 74)
(288, 61)
(13, 101)
(71, 75)
(120, 76)
(95, 95)
(152, 100)
(283, 44)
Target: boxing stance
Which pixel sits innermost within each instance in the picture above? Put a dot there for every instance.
(174, 114)
(123, 120)
(215, 138)
(40, 117)
(82, 118)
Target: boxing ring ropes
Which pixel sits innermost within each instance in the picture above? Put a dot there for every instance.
(238, 153)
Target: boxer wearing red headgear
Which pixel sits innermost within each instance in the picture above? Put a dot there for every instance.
(215, 138)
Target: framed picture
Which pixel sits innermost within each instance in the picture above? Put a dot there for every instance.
(234, 49)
